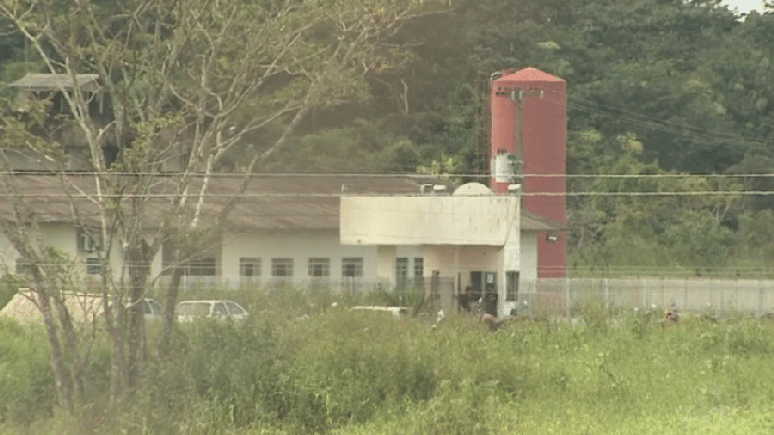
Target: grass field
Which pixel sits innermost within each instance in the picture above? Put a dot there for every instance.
(340, 372)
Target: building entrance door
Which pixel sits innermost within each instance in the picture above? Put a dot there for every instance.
(483, 288)
(490, 293)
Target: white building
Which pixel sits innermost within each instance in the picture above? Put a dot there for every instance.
(342, 230)
(476, 239)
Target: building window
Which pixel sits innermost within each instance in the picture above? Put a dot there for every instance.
(419, 272)
(93, 266)
(88, 241)
(281, 267)
(319, 267)
(511, 286)
(22, 266)
(351, 267)
(249, 267)
(401, 270)
(419, 267)
(201, 266)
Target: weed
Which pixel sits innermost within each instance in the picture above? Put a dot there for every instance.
(301, 366)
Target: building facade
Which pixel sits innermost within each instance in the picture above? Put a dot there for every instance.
(305, 231)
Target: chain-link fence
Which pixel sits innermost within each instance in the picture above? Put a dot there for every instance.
(566, 296)
(556, 297)
(429, 294)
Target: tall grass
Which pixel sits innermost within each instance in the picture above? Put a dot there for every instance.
(27, 388)
(299, 365)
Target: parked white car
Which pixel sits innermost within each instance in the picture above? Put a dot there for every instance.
(190, 310)
(152, 309)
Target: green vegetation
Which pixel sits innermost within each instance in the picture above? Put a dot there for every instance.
(27, 388)
(9, 285)
(343, 372)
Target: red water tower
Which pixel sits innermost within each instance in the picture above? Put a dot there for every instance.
(529, 124)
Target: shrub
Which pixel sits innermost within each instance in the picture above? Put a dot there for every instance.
(748, 337)
(9, 286)
(350, 364)
(234, 365)
(26, 380)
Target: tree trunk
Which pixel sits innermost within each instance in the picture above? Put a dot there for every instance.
(169, 310)
(74, 352)
(139, 270)
(114, 319)
(136, 338)
(63, 385)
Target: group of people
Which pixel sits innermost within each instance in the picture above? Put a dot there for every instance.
(489, 301)
(471, 296)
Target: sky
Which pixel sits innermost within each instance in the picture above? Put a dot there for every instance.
(745, 5)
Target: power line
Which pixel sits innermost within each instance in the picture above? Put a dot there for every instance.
(226, 195)
(652, 123)
(377, 175)
(638, 117)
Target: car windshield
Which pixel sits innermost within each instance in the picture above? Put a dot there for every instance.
(235, 309)
(193, 309)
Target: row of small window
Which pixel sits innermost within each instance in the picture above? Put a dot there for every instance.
(280, 267)
(321, 267)
(316, 267)
(402, 268)
(93, 266)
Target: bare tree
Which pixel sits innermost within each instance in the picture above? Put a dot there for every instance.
(182, 84)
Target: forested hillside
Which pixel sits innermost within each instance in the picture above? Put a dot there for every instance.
(677, 94)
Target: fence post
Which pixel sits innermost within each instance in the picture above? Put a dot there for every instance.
(712, 299)
(607, 293)
(722, 298)
(760, 299)
(567, 297)
(736, 296)
(664, 302)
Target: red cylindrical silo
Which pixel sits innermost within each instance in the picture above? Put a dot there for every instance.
(530, 105)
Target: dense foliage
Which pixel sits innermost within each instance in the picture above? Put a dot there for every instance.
(341, 372)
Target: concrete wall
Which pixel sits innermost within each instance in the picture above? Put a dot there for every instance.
(65, 238)
(452, 220)
(59, 236)
(528, 258)
(450, 260)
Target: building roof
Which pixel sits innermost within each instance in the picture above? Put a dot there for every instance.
(55, 82)
(24, 307)
(533, 222)
(270, 203)
(529, 75)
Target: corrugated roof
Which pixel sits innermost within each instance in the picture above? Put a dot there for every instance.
(533, 222)
(271, 203)
(54, 82)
